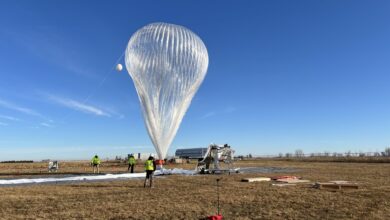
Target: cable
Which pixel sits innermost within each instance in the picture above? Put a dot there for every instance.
(103, 80)
(93, 92)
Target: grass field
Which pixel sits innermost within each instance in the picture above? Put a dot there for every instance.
(194, 197)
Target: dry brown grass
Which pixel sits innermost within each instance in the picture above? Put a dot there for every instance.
(194, 197)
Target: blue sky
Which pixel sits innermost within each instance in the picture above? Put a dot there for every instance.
(283, 75)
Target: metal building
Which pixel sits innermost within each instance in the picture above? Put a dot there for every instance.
(192, 153)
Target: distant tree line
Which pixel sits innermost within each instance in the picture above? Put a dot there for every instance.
(300, 154)
(242, 157)
(17, 161)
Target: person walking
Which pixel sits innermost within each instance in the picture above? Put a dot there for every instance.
(95, 163)
(131, 162)
(150, 167)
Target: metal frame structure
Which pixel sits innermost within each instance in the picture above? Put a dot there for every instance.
(211, 163)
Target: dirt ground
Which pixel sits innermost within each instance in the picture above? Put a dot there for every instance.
(195, 197)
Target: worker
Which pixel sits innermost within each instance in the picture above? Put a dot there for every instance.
(131, 162)
(95, 163)
(150, 167)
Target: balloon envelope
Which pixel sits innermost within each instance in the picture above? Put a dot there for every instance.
(167, 63)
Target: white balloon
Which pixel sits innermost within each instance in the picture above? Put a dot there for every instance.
(119, 67)
(167, 63)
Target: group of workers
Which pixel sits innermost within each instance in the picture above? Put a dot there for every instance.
(150, 167)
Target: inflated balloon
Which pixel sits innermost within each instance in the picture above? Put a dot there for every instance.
(119, 67)
(167, 63)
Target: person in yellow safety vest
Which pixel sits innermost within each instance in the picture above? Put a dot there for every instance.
(150, 167)
(132, 163)
(95, 162)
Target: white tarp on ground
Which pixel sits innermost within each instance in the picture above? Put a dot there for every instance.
(95, 177)
(73, 178)
(175, 171)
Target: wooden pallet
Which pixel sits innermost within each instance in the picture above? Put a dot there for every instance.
(292, 181)
(283, 184)
(337, 186)
(257, 179)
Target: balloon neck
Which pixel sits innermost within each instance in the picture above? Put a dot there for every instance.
(159, 164)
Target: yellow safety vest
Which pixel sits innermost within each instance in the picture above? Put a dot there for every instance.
(131, 160)
(95, 160)
(149, 165)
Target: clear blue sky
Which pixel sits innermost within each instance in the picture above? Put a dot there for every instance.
(283, 75)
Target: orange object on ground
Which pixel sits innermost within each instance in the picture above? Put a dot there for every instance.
(215, 217)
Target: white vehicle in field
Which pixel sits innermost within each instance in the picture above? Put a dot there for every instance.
(53, 166)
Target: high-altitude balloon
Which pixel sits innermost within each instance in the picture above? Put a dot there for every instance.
(167, 63)
(119, 67)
